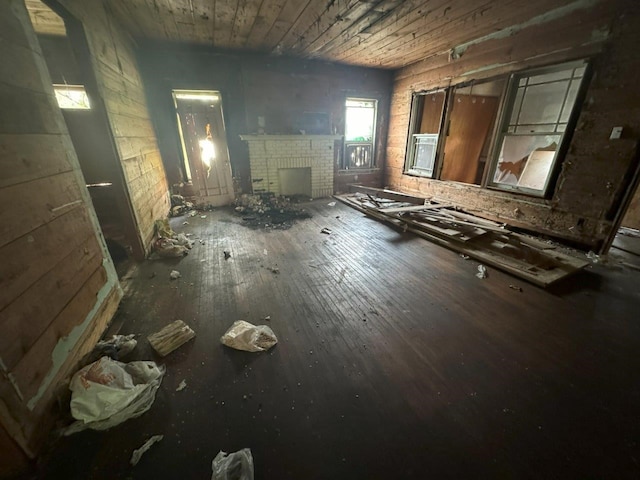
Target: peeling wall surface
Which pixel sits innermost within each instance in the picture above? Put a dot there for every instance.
(281, 90)
(121, 89)
(596, 170)
(58, 285)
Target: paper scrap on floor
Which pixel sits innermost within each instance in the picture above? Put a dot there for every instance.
(137, 453)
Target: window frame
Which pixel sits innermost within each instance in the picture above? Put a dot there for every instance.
(500, 125)
(345, 166)
(505, 113)
(59, 88)
(409, 160)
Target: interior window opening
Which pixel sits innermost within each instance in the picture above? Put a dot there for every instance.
(471, 124)
(71, 97)
(360, 126)
(535, 122)
(428, 109)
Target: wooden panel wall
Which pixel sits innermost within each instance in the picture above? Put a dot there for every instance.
(278, 88)
(595, 171)
(632, 216)
(122, 90)
(58, 287)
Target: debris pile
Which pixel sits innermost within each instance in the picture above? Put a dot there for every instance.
(179, 206)
(168, 243)
(269, 211)
(116, 347)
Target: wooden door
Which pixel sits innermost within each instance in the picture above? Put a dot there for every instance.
(471, 119)
(202, 125)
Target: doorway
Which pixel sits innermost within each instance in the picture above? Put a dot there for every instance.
(75, 89)
(204, 145)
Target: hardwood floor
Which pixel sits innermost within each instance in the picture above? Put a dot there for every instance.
(394, 361)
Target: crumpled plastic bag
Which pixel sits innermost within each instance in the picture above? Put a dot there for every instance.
(233, 466)
(106, 393)
(250, 338)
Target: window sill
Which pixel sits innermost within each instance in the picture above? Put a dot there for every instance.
(358, 171)
(413, 173)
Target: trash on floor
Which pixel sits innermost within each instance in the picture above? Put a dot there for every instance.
(248, 337)
(171, 337)
(227, 255)
(106, 393)
(137, 453)
(331, 204)
(117, 346)
(326, 231)
(174, 275)
(482, 272)
(233, 466)
(182, 386)
(179, 206)
(515, 287)
(169, 248)
(203, 216)
(269, 211)
(275, 270)
(168, 243)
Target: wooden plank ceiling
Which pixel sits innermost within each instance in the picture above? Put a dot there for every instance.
(376, 33)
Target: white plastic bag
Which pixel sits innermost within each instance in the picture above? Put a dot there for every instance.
(106, 393)
(233, 466)
(250, 338)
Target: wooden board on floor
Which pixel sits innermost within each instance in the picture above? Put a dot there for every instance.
(171, 337)
(526, 258)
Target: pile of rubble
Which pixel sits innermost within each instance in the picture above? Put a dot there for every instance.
(180, 206)
(269, 211)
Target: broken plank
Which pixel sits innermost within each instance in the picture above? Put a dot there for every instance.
(388, 194)
(171, 337)
(413, 208)
(564, 265)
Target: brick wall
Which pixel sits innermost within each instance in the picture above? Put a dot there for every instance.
(269, 153)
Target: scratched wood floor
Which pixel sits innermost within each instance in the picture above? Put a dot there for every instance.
(394, 362)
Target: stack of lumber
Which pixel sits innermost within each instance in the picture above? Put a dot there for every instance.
(539, 262)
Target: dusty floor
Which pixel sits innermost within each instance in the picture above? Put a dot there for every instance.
(394, 361)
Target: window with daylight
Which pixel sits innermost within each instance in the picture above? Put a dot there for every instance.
(426, 122)
(537, 114)
(359, 135)
(507, 133)
(72, 97)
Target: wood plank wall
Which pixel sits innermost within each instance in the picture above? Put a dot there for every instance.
(595, 171)
(122, 90)
(280, 89)
(632, 216)
(58, 287)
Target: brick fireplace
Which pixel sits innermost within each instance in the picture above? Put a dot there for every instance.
(289, 164)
